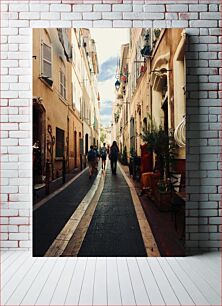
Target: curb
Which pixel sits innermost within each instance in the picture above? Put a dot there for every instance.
(59, 244)
(147, 235)
(53, 194)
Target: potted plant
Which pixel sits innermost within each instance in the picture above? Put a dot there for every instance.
(124, 160)
(163, 145)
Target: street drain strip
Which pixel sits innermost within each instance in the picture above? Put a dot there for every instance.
(60, 243)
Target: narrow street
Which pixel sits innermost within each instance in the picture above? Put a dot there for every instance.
(113, 231)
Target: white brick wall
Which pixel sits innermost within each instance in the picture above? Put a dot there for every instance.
(200, 17)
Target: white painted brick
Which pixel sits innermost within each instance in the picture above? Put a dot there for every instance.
(16, 39)
(134, 15)
(215, 220)
(9, 212)
(4, 220)
(198, 7)
(25, 46)
(25, 31)
(25, 244)
(122, 8)
(9, 142)
(82, 8)
(9, 16)
(180, 23)
(171, 16)
(42, 7)
(9, 173)
(102, 23)
(29, 15)
(9, 79)
(177, 8)
(215, 78)
(216, 31)
(24, 142)
(24, 173)
(20, 182)
(9, 228)
(4, 102)
(25, 94)
(18, 7)
(207, 15)
(18, 236)
(92, 16)
(102, 7)
(25, 157)
(112, 15)
(82, 24)
(162, 23)
(213, 7)
(9, 94)
(9, 31)
(122, 23)
(71, 16)
(215, 63)
(4, 118)
(19, 23)
(9, 63)
(4, 23)
(4, 7)
(20, 71)
(188, 16)
(203, 23)
(19, 102)
(39, 23)
(60, 8)
(9, 126)
(24, 212)
(61, 24)
(13, 47)
(18, 118)
(154, 8)
(24, 229)
(17, 149)
(13, 158)
(137, 8)
(4, 236)
(4, 134)
(50, 16)
(9, 244)
(19, 86)
(137, 23)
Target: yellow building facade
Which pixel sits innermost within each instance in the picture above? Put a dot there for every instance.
(155, 89)
(61, 119)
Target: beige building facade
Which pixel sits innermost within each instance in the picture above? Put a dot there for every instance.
(155, 90)
(65, 104)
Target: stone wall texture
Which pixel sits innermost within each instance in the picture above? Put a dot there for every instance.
(202, 20)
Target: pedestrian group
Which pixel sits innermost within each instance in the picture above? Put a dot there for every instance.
(94, 155)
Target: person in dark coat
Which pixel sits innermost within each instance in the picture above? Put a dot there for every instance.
(114, 150)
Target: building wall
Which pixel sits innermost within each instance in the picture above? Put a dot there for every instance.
(202, 20)
(56, 107)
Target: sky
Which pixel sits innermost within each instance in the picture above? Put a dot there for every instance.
(108, 46)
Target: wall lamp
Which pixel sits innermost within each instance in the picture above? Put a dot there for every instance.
(162, 70)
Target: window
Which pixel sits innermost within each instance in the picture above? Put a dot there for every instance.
(46, 61)
(62, 84)
(59, 142)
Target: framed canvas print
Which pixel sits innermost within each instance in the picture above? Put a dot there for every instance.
(109, 142)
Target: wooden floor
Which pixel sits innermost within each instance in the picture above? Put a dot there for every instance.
(110, 281)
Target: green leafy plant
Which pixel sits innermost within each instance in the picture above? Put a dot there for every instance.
(162, 144)
(124, 156)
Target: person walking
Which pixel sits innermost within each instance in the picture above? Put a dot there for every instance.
(97, 158)
(91, 161)
(114, 150)
(103, 154)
